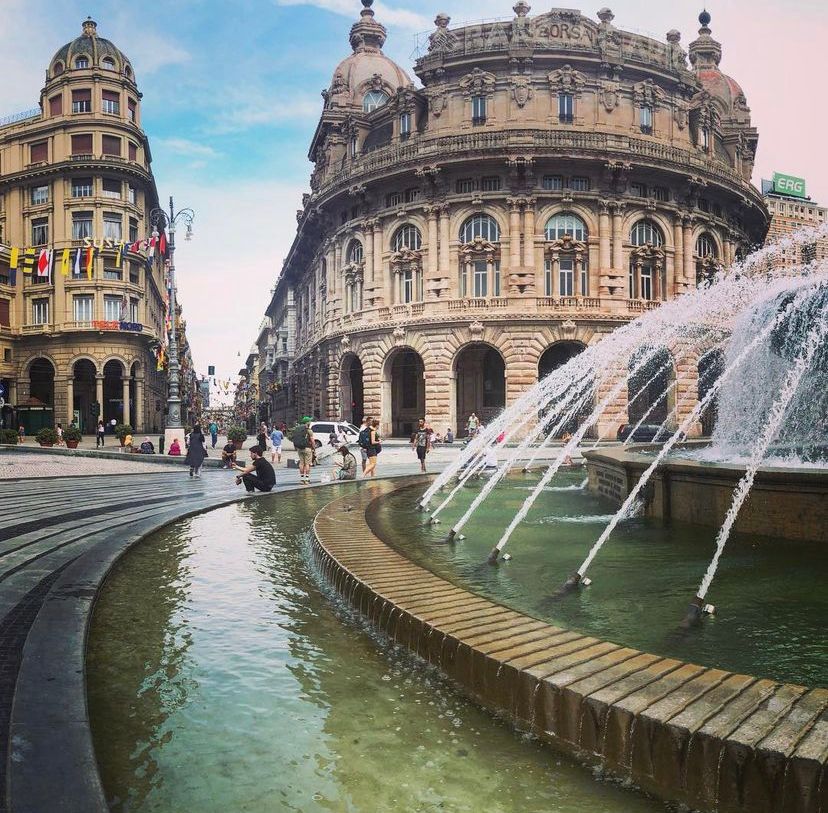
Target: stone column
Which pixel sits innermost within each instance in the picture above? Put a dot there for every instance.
(125, 395)
(679, 283)
(139, 403)
(13, 395)
(431, 214)
(689, 271)
(376, 271)
(529, 236)
(618, 272)
(368, 245)
(70, 400)
(514, 234)
(445, 240)
(603, 246)
(99, 381)
(330, 282)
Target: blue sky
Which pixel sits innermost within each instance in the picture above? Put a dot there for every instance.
(232, 95)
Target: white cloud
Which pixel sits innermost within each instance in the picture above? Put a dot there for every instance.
(242, 233)
(183, 146)
(260, 108)
(400, 17)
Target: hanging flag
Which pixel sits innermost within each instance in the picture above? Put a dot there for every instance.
(76, 269)
(90, 253)
(162, 244)
(119, 253)
(64, 263)
(28, 260)
(13, 258)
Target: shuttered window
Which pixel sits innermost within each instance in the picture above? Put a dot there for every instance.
(111, 145)
(82, 144)
(56, 105)
(39, 152)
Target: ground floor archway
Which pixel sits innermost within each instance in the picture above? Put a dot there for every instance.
(404, 379)
(113, 391)
(555, 356)
(649, 390)
(42, 381)
(85, 403)
(351, 390)
(710, 366)
(480, 382)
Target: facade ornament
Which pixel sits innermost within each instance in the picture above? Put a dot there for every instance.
(610, 95)
(442, 40)
(680, 113)
(609, 41)
(567, 80)
(345, 343)
(479, 246)
(478, 83)
(476, 329)
(437, 99)
(496, 38)
(375, 82)
(399, 334)
(676, 55)
(603, 206)
(647, 93)
(521, 90)
(406, 260)
(521, 31)
(569, 326)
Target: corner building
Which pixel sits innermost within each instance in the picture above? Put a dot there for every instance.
(74, 170)
(553, 177)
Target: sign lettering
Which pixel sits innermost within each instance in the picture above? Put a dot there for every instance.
(788, 185)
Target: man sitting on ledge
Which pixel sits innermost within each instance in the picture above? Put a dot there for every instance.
(264, 477)
(228, 455)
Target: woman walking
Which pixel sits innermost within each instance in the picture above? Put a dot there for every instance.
(196, 452)
(99, 434)
(374, 448)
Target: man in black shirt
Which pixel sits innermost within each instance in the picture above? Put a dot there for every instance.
(228, 455)
(264, 477)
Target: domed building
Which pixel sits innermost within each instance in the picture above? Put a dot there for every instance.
(552, 177)
(79, 340)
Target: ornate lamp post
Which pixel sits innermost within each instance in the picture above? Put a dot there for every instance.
(169, 221)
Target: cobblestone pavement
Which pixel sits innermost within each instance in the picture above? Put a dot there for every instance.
(16, 466)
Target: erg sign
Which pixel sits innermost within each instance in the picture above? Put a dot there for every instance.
(788, 185)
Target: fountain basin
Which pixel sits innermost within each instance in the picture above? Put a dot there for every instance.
(706, 737)
(788, 503)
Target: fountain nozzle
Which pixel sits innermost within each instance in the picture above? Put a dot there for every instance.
(492, 560)
(695, 611)
(451, 534)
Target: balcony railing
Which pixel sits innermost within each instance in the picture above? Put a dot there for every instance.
(33, 113)
(607, 144)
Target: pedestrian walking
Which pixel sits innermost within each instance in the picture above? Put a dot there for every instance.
(213, 433)
(99, 434)
(374, 448)
(364, 440)
(21, 433)
(303, 442)
(259, 475)
(261, 438)
(196, 452)
(277, 437)
(472, 425)
(59, 431)
(421, 442)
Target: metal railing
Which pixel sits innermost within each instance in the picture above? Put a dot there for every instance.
(32, 113)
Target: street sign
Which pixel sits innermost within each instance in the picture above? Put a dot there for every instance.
(788, 185)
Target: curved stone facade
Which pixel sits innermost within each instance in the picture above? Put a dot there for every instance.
(553, 177)
(77, 173)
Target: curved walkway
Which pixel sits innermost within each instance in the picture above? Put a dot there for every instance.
(58, 539)
(709, 738)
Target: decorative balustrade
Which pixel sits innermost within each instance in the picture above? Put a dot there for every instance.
(31, 329)
(470, 143)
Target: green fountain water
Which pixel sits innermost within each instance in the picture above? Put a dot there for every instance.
(222, 679)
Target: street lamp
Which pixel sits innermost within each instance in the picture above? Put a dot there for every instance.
(169, 221)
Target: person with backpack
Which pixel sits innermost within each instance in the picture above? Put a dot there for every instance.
(364, 440)
(304, 443)
(374, 448)
(421, 442)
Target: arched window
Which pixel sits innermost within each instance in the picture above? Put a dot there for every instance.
(82, 62)
(355, 252)
(706, 258)
(373, 99)
(127, 71)
(108, 64)
(645, 232)
(483, 226)
(706, 246)
(565, 223)
(407, 236)
(58, 70)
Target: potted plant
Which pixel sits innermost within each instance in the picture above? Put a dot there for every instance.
(9, 436)
(72, 435)
(238, 435)
(47, 436)
(121, 431)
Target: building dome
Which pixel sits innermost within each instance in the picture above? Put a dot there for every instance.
(705, 55)
(89, 51)
(367, 70)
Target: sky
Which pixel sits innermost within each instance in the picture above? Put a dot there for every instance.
(231, 97)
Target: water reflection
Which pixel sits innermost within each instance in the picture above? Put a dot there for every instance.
(277, 703)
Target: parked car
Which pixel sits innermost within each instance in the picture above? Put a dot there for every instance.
(323, 429)
(646, 433)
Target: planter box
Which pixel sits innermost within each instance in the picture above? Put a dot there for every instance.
(72, 444)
